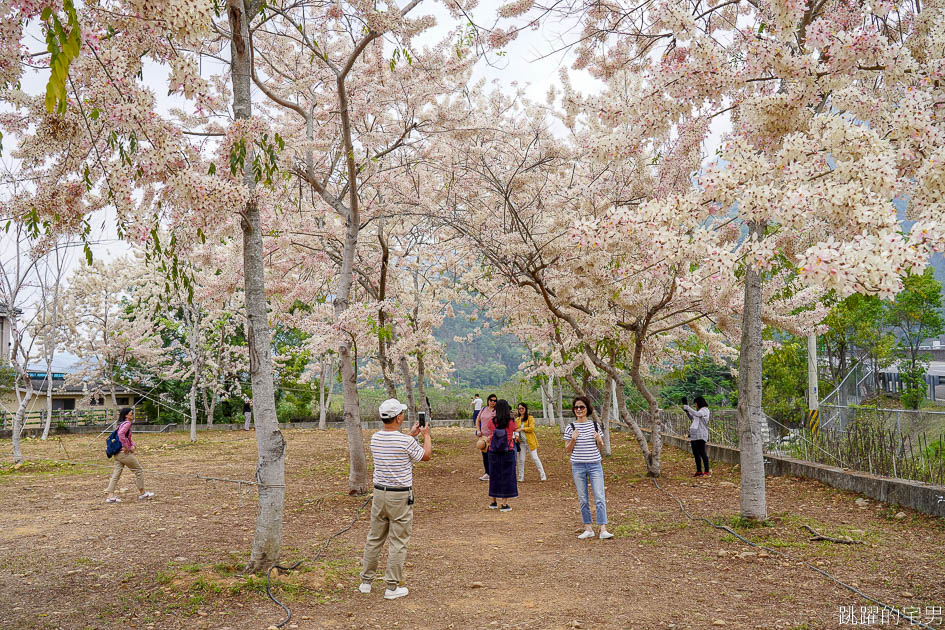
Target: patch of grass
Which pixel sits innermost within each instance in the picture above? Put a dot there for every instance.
(204, 585)
(191, 568)
(164, 577)
(43, 467)
(739, 522)
(252, 583)
(82, 561)
(226, 569)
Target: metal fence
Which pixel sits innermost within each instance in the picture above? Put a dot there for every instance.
(60, 418)
(887, 442)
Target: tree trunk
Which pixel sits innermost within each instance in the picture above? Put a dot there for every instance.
(270, 445)
(656, 430)
(411, 397)
(383, 335)
(628, 420)
(48, 422)
(750, 414)
(324, 391)
(195, 363)
(18, 419)
(544, 400)
(357, 472)
(193, 410)
(560, 403)
(17, 429)
(421, 386)
(605, 413)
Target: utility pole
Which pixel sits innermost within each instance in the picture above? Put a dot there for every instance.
(813, 395)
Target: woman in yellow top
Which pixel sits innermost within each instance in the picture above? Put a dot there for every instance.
(529, 444)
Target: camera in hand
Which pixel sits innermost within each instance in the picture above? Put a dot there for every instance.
(685, 400)
(422, 418)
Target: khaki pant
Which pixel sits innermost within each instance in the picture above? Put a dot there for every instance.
(391, 518)
(123, 459)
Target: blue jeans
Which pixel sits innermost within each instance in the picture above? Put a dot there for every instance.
(593, 473)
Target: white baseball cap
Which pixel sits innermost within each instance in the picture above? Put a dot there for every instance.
(391, 408)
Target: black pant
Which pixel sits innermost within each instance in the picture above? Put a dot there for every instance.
(698, 450)
(485, 461)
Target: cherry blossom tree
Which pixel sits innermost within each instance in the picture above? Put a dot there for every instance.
(831, 106)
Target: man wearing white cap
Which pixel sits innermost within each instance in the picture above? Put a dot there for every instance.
(394, 455)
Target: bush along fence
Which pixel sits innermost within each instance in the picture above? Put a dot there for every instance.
(871, 443)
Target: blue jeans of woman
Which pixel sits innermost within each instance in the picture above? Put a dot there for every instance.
(593, 473)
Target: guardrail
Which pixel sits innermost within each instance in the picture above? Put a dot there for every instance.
(60, 418)
(870, 447)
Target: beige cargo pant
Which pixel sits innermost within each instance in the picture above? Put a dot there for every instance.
(123, 459)
(391, 519)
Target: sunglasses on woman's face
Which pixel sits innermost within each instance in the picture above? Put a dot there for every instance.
(580, 407)
(492, 400)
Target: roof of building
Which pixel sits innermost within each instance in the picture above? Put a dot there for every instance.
(59, 385)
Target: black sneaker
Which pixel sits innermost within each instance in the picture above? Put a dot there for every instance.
(505, 508)
(493, 506)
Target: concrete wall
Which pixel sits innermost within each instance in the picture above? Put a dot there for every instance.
(919, 496)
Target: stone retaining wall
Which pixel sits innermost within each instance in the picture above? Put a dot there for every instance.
(919, 496)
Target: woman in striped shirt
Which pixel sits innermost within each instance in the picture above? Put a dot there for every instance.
(583, 441)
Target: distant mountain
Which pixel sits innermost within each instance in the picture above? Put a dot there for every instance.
(489, 359)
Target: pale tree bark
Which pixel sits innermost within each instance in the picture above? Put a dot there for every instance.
(605, 412)
(421, 385)
(544, 400)
(560, 391)
(411, 396)
(750, 414)
(383, 335)
(23, 400)
(193, 410)
(656, 430)
(608, 413)
(325, 391)
(270, 466)
(51, 336)
(193, 325)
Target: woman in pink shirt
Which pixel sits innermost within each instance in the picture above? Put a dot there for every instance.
(126, 457)
(484, 428)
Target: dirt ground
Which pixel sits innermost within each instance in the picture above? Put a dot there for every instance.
(68, 560)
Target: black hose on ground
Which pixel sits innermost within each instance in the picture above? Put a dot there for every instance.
(899, 614)
(288, 613)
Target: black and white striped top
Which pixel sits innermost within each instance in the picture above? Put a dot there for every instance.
(585, 450)
(394, 455)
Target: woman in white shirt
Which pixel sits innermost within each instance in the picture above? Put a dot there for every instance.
(583, 441)
(699, 434)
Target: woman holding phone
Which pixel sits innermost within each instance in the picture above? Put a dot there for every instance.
(699, 434)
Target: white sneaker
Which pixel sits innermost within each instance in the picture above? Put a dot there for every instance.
(485, 477)
(365, 587)
(112, 500)
(400, 591)
(521, 479)
(544, 479)
(604, 534)
(145, 495)
(587, 533)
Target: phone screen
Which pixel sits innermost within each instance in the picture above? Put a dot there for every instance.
(422, 418)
